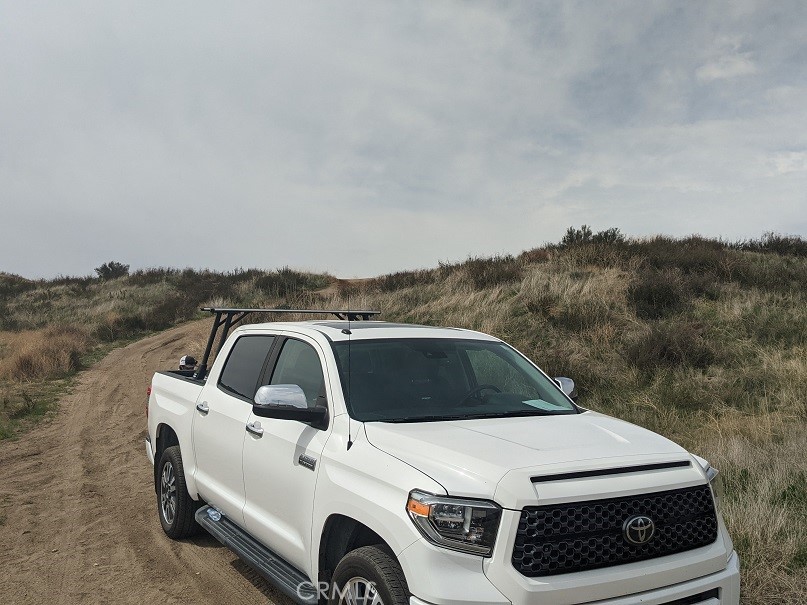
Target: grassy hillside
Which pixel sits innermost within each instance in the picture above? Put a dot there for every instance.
(700, 340)
(50, 329)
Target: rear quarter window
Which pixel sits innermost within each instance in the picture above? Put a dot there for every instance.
(244, 364)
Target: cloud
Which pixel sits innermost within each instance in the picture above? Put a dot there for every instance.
(793, 161)
(362, 137)
(730, 62)
(728, 66)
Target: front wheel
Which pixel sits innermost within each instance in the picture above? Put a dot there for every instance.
(174, 505)
(368, 576)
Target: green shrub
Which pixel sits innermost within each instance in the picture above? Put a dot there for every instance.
(285, 282)
(486, 272)
(584, 235)
(575, 237)
(112, 270)
(148, 277)
(669, 345)
(12, 285)
(656, 294)
(795, 493)
(776, 243)
(608, 237)
(400, 280)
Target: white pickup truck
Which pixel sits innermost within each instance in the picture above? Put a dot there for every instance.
(366, 463)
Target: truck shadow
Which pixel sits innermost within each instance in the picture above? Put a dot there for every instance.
(263, 586)
(266, 588)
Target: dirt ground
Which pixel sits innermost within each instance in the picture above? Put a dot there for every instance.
(78, 520)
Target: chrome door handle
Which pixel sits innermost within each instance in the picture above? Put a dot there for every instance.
(203, 407)
(255, 428)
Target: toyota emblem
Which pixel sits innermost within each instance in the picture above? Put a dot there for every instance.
(638, 530)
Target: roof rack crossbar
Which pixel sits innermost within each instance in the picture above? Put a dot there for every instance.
(229, 317)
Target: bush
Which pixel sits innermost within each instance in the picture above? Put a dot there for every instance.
(486, 272)
(400, 280)
(691, 255)
(776, 243)
(584, 235)
(117, 327)
(536, 255)
(575, 237)
(669, 345)
(655, 295)
(148, 277)
(112, 270)
(286, 282)
(608, 237)
(45, 354)
(12, 285)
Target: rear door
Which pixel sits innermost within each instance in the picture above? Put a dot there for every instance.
(281, 465)
(220, 421)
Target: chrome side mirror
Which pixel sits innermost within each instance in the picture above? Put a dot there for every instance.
(567, 386)
(286, 395)
(288, 402)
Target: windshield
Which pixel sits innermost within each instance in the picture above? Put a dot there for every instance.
(419, 380)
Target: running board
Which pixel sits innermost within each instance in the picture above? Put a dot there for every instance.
(287, 578)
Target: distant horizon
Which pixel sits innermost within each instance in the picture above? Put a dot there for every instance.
(133, 268)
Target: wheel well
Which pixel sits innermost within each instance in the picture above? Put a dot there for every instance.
(166, 437)
(340, 535)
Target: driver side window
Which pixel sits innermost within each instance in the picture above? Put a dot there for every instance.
(299, 364)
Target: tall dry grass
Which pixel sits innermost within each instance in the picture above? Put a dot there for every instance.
(49, 353)
(700, 340)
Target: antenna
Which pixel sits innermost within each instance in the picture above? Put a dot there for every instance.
(349, 375)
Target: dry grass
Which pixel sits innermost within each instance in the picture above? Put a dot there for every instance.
(721, 367)
(35, 366)
(50, 353)
(699, 340)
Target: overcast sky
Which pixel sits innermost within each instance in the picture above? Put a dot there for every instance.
(367, 137)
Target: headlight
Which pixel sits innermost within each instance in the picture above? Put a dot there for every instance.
(713, 476)
(465, 525)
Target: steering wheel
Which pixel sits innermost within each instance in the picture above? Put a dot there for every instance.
(476, 391)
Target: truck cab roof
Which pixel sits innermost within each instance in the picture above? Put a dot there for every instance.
(335, 330)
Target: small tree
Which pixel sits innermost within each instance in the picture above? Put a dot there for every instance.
(609, 236)
(112, 270)
(575, 237)
(584, 235)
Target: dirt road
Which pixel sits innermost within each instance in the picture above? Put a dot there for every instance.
(77, 507)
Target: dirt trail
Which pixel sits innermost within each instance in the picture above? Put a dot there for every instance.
(78, 521)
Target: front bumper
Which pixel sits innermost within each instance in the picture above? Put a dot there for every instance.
(726, 582)
(460, 581)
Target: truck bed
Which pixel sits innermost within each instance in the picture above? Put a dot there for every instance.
(187, 375)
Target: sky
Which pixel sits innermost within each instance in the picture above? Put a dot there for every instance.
(361, 138)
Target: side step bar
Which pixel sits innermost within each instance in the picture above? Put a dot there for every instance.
(287, 578)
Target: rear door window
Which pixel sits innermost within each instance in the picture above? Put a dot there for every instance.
(244, 364)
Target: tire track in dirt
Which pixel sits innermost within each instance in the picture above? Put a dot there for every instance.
(78, 503)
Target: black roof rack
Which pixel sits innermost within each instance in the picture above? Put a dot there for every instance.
(230, 317)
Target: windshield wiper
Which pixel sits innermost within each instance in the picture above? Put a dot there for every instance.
(508, 414)
(512, 414)
(434, 418)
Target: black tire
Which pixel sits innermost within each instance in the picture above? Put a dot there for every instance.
(170, 473)
(373, 564)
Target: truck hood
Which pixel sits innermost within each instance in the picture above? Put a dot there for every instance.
(471, 457)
